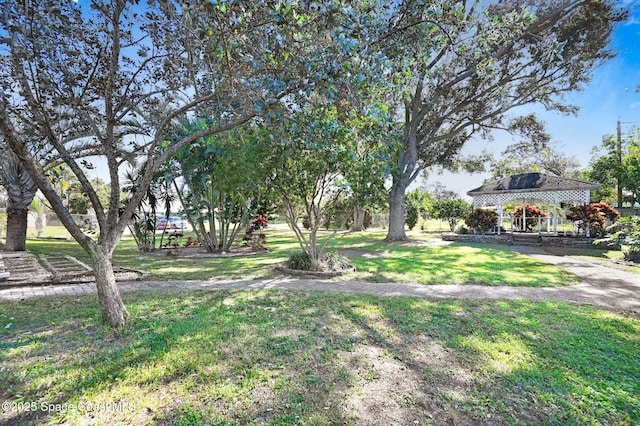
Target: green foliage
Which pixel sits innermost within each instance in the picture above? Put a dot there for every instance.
(481, 221)
(339, 214)
(617, 169)
(224, 180)
(535, 155)
(300, 261)
(417, 206)
(451, 210)
(330, 261)
(333, 261)
(627, 235)
(532, 213)
(329, 164)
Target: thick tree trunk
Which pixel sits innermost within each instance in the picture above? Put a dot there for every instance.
(358, 219)
(16, 229)
(114, 313)
(396, 230)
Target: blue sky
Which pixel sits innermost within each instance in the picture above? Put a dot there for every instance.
(612, 95)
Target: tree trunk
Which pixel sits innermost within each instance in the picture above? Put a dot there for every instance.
(396, 230)
(358, 219)
(114, 313)
(16, 229)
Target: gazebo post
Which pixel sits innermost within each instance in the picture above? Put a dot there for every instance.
(555, 215)
(499, 217)
(536, 185)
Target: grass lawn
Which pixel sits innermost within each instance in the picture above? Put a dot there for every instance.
(426, 260)
(610, 258)
(289, 358)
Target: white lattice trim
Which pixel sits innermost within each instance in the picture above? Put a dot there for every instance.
(578, 196)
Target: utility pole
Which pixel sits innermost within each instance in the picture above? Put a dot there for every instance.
(619, 163)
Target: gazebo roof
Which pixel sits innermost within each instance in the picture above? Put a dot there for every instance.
(532, 183)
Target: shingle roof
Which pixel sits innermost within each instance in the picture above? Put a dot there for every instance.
(532, 182)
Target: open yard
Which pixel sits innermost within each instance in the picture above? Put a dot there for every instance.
(286, 358)
(426, 260)
(294, 358)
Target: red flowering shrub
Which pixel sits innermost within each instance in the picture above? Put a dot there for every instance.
(593, 218)
(253, 238)
(192, 242)
(481, 220)
(532, 214)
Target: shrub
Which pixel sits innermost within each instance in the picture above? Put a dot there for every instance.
(253, 235)
(628, 237)
(592, 219)
(461, 230)
(451, 210)
(330, 261)
(300, 261)
(481, 220)
(532, 214)
(192, 242)
(412, 216)
(333, 261)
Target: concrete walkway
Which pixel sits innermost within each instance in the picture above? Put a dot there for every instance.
(600, 285)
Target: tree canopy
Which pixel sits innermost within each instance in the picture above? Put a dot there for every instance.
(107, 78)
(616, 166)
(477, 61)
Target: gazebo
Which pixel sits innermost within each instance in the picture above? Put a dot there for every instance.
(528, 187)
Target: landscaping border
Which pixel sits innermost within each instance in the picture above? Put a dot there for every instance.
(522, 238)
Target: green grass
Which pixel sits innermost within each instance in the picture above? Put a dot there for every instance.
(288, 358)
(609, 258)
(426, 260)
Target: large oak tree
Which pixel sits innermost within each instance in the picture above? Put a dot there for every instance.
(460, 67)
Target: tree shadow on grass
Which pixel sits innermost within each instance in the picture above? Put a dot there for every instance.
(463, 264)
(289, 358)
(241, 357)
(516, 361)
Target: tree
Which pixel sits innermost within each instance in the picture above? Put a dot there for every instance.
(526, 157)
(310, 178)
(441, 192)
(616, 166)
(451, 210)
(21, 191)
(223, 178)
(475, 62)
(631, 177)
(418, 206)
(107, 79)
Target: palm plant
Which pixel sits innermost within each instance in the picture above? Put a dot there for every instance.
(21, 191)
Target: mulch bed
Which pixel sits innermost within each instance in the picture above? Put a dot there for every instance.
(311, 274)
